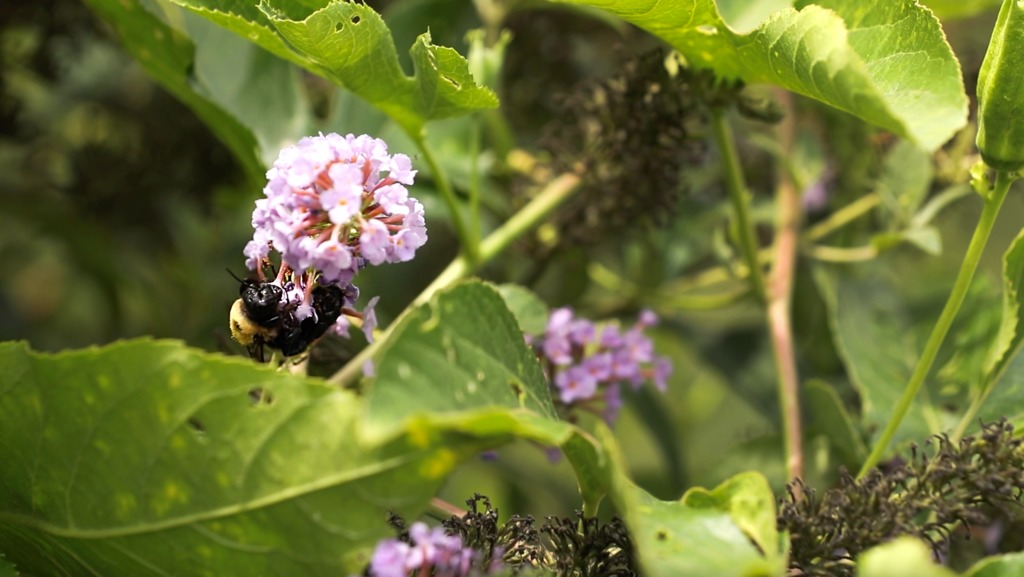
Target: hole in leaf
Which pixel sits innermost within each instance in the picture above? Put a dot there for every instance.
(355, 19)
(198, 429)
(661, 535)
(259, 396)
(338, 27)
(517, 388)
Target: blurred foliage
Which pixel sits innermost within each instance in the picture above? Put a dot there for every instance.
(120, 210)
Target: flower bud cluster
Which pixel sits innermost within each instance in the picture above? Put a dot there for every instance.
(335, 204)
(588, 363)
(426, 552)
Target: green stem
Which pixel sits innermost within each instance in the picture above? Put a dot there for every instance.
(554, 194)
(474, 181)
(740, 198)
(842, 217)
(993, 202)
(470, 244)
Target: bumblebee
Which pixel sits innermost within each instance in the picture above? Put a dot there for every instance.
(260, 319)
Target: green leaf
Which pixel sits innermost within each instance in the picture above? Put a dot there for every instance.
(259, 89)
(1006, 399)
(830, 416)
(706, 532)
(901, 556)
(885, 62)
(169, 57)
(955, 9)
(872, 334)
(7, 569)
(462, 351)
(749, 501)
(149, 458)
(530, 311)
(1009, 565)
(879, 322)
(1008, 340)
(1003, 379)
(905, 181)
(673, 539)
(349, 44)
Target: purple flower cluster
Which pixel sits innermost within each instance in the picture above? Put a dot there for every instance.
(428, 552)
(588, 363)
(334, 204)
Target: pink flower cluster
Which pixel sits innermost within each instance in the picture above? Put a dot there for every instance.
(428, 552)
(587, 365)
(335, 204)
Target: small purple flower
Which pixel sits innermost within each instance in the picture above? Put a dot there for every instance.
(647, 319)
(661, 371)
(389, 559)
(341, 326)
(624, 366)
(374, 240)
(554, 454)
(612, 403)
(638, 346)
(581, 332)
(558, 349)
(611, 337)
(599, 366)
(370, 319)
(575, 383)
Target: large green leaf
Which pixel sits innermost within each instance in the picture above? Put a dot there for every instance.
(1011, 332)
(902, 556)
(168, 55)
(528, 308)
(350, 44)
(749, 501)
(462, 351)
(879, 324)
(951, 9)
(1010, 565)
(6, 568)
(149, 458)
(717, 532)
(872, 332)
(884, 61)
(1001, 378)
(829, 416)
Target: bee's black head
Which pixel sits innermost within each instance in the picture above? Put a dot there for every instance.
(262, 301)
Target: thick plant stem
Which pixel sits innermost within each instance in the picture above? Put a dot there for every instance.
(780, 294)
(993, 202)
(740, 198)
(468, 242)
(554, 194)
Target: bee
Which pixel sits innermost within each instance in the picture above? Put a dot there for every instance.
(260, 318)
